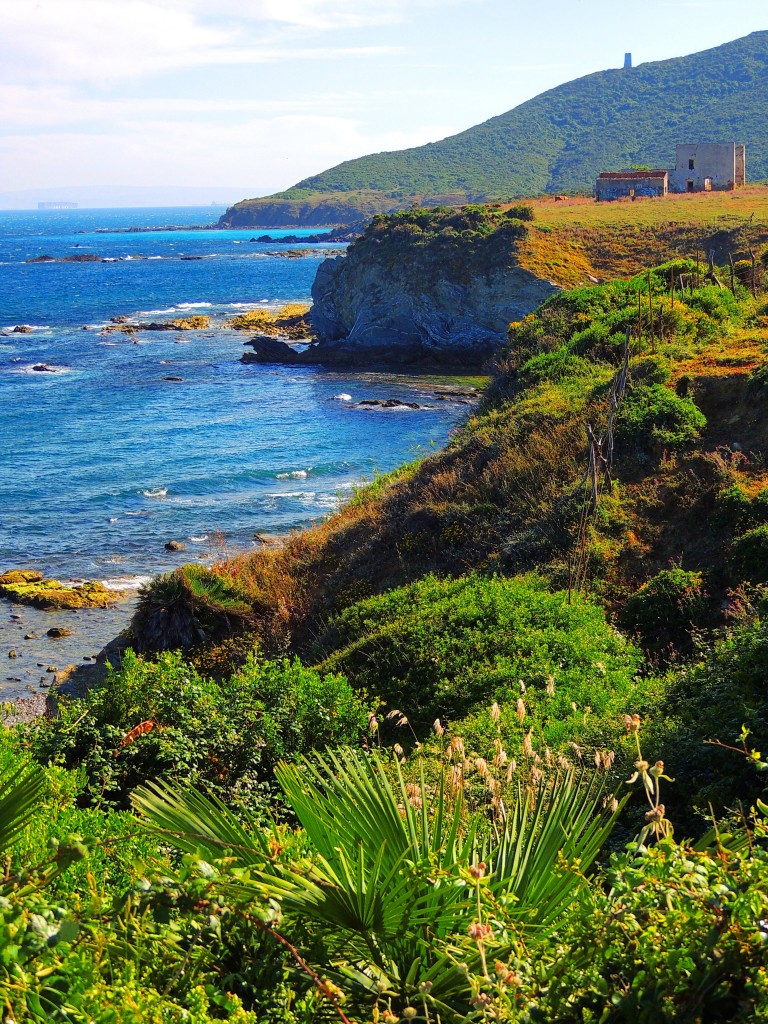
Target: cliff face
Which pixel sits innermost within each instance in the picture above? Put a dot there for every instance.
(425, 287)
(372, 315)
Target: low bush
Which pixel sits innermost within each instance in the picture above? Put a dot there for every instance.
(749, 555)
(444, 647)
(666, 608)
(152, 718)
(712, 699)
(652, 416)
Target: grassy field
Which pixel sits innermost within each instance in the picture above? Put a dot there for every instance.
(575, 240)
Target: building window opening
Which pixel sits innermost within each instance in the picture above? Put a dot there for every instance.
(691, 164)
(707, 184)
(689, 185)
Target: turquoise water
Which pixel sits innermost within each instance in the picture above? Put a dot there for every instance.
(103, 461)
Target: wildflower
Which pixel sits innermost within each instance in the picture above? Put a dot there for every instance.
(409, 1013)
(437, 727)
(478, 931)
(550, 686)
(632, 723)
(398, 750)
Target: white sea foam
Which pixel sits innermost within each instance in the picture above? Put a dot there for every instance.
(142, 514)
(155, 492)
(114, 519)
(198, 540)
(125, 582)
(295, 474)
(343, 397)
(293, 495)
(194, 305)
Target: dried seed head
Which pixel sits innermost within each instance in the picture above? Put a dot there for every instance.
(632, 723)
(437, 727)
(550, 686)
(482, 766)
(373, 723)
(522, 686)
(495, 711)
(398, 750)
(528, 743)
(478, 870)
(520, 709)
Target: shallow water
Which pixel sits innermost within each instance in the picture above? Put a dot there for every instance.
(103, 460)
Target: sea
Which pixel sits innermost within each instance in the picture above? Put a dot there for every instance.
(103, 459)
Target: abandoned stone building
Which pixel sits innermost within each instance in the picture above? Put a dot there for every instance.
(708, 167)
(699, 167)
(619, 184)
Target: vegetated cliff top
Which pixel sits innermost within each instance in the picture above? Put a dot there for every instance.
(509, 494)
(558, 141)
(572, 243)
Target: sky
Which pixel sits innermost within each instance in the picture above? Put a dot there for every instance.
(246, 97)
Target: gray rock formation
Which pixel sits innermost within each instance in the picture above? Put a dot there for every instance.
(366, 311)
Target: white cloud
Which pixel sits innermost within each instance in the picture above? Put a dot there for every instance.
(268, 152)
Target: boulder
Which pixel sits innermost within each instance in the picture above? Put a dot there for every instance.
(22, 329)
(270, 350)
(58, 632)
(175, 545)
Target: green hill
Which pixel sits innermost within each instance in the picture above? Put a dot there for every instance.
(560, 140)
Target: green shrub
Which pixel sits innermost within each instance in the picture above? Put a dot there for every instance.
(652, 416)
(228, 734)
(749, 555)
(444, 647)
(667, 607)
(670, 935)
(712, 699)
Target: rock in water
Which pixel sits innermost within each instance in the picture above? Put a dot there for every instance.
(175, 545)
(58, 632)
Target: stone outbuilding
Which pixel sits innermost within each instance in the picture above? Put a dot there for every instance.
(708, 167)
(623, 184)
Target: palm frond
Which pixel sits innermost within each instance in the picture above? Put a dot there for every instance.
(21, 790)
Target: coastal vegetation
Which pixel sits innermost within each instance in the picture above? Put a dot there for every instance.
(482, 746)
(556, 142)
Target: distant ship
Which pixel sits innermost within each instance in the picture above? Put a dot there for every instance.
(57, 206)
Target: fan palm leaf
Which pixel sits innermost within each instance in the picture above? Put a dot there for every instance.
(21, 790)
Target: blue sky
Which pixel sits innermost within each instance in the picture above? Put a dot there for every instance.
(253, 95)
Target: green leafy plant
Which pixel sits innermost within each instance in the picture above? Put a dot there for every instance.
(394, 871)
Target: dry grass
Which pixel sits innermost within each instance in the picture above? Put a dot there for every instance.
(577, 239)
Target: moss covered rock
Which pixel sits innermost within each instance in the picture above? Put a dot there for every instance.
(27, 586)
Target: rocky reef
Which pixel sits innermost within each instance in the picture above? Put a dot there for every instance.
(425, 288)
(28, 586)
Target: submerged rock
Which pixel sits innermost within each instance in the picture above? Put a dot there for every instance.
(175, 545)
(22, 329)
(43, 368)
(58, 632)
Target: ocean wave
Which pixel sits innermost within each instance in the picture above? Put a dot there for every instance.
(295, 474)
(155, 492)
(198, 540)
(343, 397)
(293, 495)
(125, 582)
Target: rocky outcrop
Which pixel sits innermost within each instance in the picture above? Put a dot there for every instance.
(28, 586)
(408, 301)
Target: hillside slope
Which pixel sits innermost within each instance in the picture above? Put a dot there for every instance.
(560, 140)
